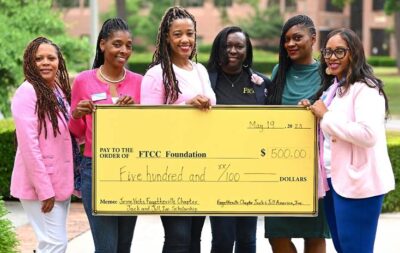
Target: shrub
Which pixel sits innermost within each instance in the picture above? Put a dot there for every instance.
(263, 61)
(8, 239)
(7, 151)
(138, 67)
(382, 61)
(392, 199)
(204, 48)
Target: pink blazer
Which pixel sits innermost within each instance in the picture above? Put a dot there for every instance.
(43, 168)
(360, 165)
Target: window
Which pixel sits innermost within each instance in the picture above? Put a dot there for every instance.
(223, 3)
(322, 37)
(192, 3)
(378, 5)
(331, 7)
(380, 42)
(290, 5)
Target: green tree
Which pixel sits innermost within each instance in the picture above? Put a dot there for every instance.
(264, 24)
(143, 17)
(20, 22)
(392, 7)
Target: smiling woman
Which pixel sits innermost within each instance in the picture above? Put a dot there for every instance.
(47, 63)
(351, 114)
(173, 78)
(235, 82)
(107, 83)
(296, 77)
(42, 176)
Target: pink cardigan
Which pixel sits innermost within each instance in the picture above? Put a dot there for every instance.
(87, 86)
(360, 165)
(43, 168)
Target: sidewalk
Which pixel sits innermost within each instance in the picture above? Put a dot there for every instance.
(149, 235)
(393, 124)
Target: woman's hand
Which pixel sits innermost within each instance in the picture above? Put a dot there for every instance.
(200, 101)
(305, 103)
(125, 100)
(319, 108)
(47, 205)
(83, 108)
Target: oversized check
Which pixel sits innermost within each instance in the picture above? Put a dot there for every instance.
(178, 160)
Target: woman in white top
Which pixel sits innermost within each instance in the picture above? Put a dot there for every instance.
(173, 78)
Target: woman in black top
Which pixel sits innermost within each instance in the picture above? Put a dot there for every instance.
(235, 83)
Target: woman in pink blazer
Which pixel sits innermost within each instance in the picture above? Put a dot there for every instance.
(42, 177)
(352, 112)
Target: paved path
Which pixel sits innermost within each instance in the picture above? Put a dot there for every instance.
(149, 234)
(393, 125)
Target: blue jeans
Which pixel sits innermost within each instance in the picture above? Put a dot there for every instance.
(182, 233)
(227, 231)
(353, 222)
(111, 234)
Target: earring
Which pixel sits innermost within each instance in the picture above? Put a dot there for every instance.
(328, 71)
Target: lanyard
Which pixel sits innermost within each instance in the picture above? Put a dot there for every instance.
(61, 103)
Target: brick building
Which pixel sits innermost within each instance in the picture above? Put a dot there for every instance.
(366, 17)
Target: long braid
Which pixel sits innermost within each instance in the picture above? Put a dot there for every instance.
(162, 54)
(109, 26)
(279, 81)
(46, 105)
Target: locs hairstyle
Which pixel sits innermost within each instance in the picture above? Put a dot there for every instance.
(162, 54)
(358, 70)
(46, 105)
(219, 55)
(109, 27)
(276, 91)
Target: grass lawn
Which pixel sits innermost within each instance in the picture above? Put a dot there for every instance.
(393, 137)
(391, 80)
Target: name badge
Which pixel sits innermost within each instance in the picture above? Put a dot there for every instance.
(99, 96)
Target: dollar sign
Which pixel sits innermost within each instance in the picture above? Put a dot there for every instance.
(263, 152)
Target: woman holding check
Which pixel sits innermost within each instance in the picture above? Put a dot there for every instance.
(296, 77)
(353, 153)
(107, 83)
(173, 78)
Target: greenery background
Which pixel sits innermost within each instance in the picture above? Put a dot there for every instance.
(21, 21)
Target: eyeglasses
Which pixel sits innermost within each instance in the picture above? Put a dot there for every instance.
(339, 52)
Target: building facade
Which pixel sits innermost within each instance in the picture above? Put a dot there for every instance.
(366, 17)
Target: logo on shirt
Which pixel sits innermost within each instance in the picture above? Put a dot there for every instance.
(248, 90)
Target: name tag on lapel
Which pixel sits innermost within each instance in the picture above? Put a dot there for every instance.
(99, 96)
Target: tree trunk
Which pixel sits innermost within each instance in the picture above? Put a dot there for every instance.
(121, 9)
(397, 35)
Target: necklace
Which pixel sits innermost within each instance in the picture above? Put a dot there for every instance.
(109, 80)
(230, 81)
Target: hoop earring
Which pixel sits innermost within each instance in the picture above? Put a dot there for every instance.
(328, 71)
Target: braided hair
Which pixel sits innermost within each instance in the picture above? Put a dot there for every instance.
(46, 105)
(162, 54)
(219, 54)
(109, 26)
(279, 81)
